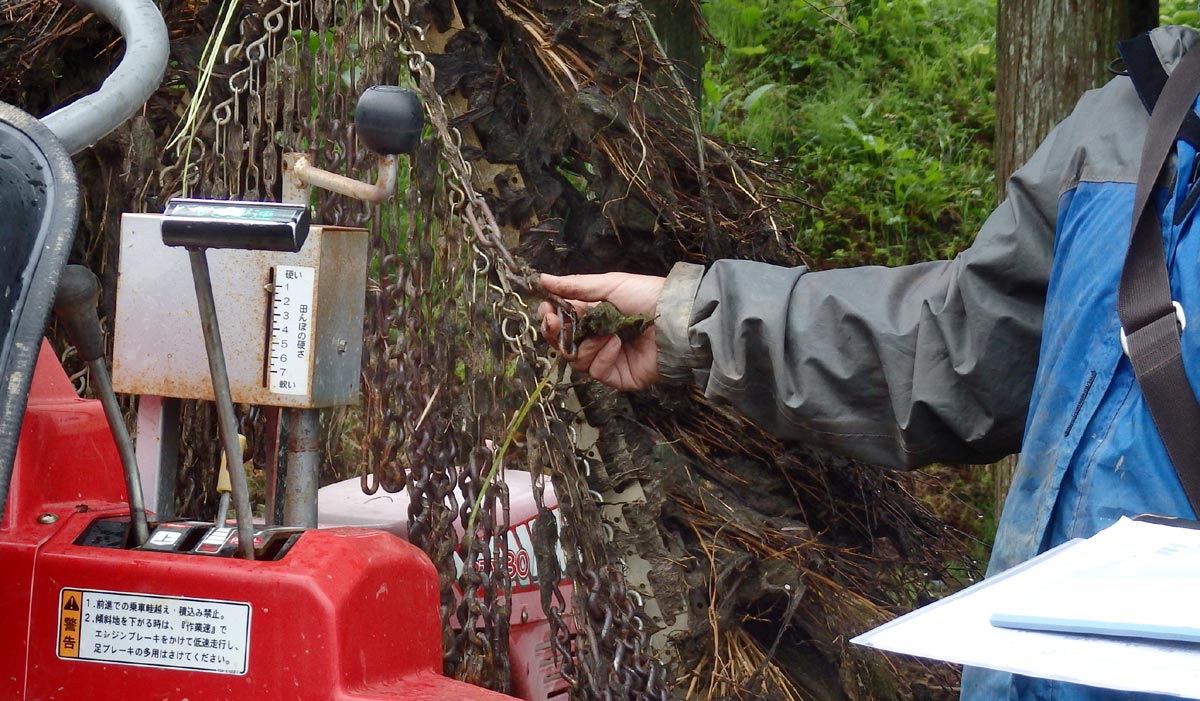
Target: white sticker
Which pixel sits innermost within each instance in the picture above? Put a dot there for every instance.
(290, 354)
(172, 632)
(215, 540)
(166, 537)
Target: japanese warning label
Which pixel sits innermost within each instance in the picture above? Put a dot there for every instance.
(154, 631)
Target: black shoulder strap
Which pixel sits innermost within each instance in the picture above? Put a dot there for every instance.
(1148, 76)
(1150, 320)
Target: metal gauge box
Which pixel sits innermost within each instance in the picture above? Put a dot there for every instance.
(291, 323)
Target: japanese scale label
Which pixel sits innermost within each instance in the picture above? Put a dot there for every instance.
(154, 631)
(290, 353)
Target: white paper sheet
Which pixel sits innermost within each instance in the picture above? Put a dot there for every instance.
(958, 628)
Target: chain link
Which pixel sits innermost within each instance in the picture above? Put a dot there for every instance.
(456, 383)
(611, 657)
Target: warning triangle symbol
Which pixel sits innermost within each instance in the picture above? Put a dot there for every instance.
(70, 605)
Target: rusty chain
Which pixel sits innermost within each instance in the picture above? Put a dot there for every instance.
(452, 359)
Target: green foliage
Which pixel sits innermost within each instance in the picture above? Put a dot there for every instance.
(883, 110)
(1179, 12)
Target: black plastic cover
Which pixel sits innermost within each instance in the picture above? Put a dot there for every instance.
(39, 196)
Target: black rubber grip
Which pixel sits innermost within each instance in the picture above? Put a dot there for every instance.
(75, 306)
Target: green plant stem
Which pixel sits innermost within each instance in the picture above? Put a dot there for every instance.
(509, 436)
(190, 123)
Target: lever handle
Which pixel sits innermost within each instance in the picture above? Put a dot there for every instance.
(75, 305)
(389, 119)
(224, 485)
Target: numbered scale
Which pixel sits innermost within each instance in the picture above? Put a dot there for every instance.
(290, 352)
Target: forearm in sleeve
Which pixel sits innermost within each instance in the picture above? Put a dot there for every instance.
(896, 366)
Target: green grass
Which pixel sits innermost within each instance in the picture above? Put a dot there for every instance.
(883, 111)
(1179, 12)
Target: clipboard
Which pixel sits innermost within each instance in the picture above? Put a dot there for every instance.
(1147, 594)
(959, 628)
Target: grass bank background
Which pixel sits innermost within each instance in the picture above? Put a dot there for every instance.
(883, 114)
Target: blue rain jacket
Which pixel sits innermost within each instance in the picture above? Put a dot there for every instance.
(1091, 452)
(1013, 345)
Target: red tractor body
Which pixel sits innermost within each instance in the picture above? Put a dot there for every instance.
(344, 613)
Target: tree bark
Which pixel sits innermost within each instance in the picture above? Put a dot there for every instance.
(675, 22)
(1048, 53)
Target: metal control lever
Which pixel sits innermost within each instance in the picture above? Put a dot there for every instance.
(198, 225)
(75, 306)
(389, 121)
(226, 418)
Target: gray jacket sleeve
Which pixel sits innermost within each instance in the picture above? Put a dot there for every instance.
(895, 366)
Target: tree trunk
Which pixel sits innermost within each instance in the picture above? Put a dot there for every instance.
(675, 23)
(1048, 52)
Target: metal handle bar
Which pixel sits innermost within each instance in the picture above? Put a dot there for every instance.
(88, 119)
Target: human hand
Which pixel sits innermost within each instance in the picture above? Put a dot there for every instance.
(621, 365)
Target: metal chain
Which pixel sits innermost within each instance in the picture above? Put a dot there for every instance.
(612, 657)
(455, 378)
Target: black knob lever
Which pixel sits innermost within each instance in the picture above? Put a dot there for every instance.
(75, 306)
(389, 119)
